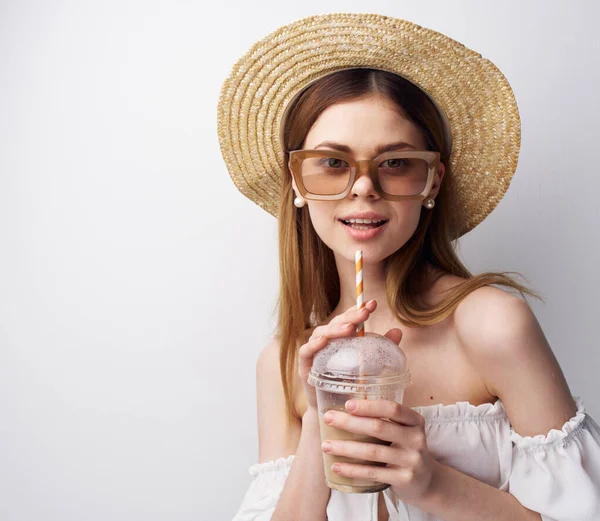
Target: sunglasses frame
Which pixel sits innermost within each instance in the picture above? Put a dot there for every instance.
(360, 165)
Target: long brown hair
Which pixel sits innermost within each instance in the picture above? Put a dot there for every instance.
(309, 281)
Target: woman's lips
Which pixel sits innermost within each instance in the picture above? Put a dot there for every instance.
(362, 235)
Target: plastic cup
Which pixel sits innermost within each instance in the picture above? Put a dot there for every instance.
(372, 367)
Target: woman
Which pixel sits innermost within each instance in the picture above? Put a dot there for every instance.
(399, 169)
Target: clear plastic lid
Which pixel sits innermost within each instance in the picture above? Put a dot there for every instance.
(360, 364)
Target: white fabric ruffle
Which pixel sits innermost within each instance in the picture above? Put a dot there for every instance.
(558, 474)
(265, 488)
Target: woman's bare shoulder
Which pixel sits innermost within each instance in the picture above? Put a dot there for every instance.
(486, 300)
(489, 316)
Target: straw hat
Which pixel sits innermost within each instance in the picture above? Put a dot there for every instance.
(472, 95)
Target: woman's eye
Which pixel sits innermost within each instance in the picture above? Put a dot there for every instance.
(333, 162)
(393, 163)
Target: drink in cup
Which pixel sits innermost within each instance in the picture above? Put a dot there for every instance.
(370, 367)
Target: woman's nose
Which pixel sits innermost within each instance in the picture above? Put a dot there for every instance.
(363, 185)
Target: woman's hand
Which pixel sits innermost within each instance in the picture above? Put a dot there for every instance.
(343, 325)
(410, 468)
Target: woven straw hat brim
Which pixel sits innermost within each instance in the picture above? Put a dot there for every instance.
(474, 95)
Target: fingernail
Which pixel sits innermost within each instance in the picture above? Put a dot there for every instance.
(326, 446)
(351, 405)
(347, 326)
(372, 301)
(328, 417)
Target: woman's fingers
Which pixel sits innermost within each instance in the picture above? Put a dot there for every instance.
(395, 335)
(343, 325)
(335, 330)
(353, 316)
(308, 350)
(306, 355)
(316, 343)
(360, 450)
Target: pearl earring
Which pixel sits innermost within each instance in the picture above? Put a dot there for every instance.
(429, 204)
(299, 202)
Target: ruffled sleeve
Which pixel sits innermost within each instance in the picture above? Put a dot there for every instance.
(267, 483)
(558, 474)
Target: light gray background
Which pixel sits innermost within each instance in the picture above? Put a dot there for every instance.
(137, 284)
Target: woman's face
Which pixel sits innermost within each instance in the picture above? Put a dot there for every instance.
(363, 125)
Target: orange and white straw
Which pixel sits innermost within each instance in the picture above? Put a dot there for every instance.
(358, 261)
(360, 303)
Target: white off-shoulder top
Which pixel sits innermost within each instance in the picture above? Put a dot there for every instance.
(557, 474)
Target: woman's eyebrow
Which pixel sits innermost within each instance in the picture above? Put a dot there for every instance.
(379, 150)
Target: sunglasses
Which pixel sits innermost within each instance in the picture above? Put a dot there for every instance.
(396, 175)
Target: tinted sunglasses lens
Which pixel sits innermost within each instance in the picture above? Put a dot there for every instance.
(403, 176)
(325, 175)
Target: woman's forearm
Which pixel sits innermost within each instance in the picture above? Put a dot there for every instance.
(305, 494)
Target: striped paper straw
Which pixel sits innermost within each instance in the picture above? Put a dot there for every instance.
(360, 330)
(358, 261)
